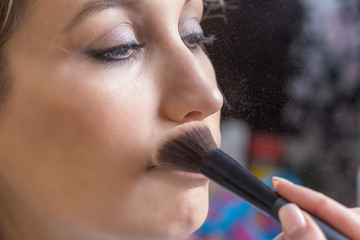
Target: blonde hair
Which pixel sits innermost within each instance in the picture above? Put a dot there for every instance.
(6, 9)
(11, 11)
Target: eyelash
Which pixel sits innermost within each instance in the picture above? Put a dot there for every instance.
(130, 50)
(195, 40)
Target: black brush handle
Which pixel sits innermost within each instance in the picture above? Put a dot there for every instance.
(225, 171)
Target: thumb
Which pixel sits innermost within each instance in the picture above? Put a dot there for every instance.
(298, 225)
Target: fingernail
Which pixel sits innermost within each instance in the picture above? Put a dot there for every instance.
(275, 181)
(292, 220)
(280, 237)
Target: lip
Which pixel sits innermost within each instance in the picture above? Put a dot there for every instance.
(154, 165)
(180, 174)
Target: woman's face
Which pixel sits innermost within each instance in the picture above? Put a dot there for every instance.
(97, 85)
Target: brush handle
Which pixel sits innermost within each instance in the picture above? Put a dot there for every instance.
(227, 172)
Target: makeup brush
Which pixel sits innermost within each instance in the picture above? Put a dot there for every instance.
(192, 148)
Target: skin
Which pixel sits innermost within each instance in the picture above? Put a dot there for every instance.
(78, 136)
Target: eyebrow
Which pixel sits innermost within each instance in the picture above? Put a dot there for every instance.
(97, 6)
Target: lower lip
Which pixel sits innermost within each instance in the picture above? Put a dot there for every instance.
(182, 174)
(197, 176)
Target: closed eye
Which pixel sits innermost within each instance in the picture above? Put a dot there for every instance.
(123, 52)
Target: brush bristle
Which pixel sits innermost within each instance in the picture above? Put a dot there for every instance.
(187, 148)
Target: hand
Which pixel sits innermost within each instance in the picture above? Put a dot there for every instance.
(298, 225)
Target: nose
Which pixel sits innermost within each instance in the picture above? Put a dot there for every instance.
(189, 89)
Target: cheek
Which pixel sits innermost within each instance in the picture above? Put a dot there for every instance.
(72, 116)
(91, 142)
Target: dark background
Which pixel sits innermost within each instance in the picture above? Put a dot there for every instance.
(250, 57)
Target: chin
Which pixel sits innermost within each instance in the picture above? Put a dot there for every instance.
(193, 214)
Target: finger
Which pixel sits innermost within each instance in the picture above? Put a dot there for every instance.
(298, 225)
(281, 236)
(356, 211)
(321, 206)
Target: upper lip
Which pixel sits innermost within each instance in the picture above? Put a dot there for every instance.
(163, 138)
(173, 132)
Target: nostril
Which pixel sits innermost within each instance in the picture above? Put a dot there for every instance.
(193, 116)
